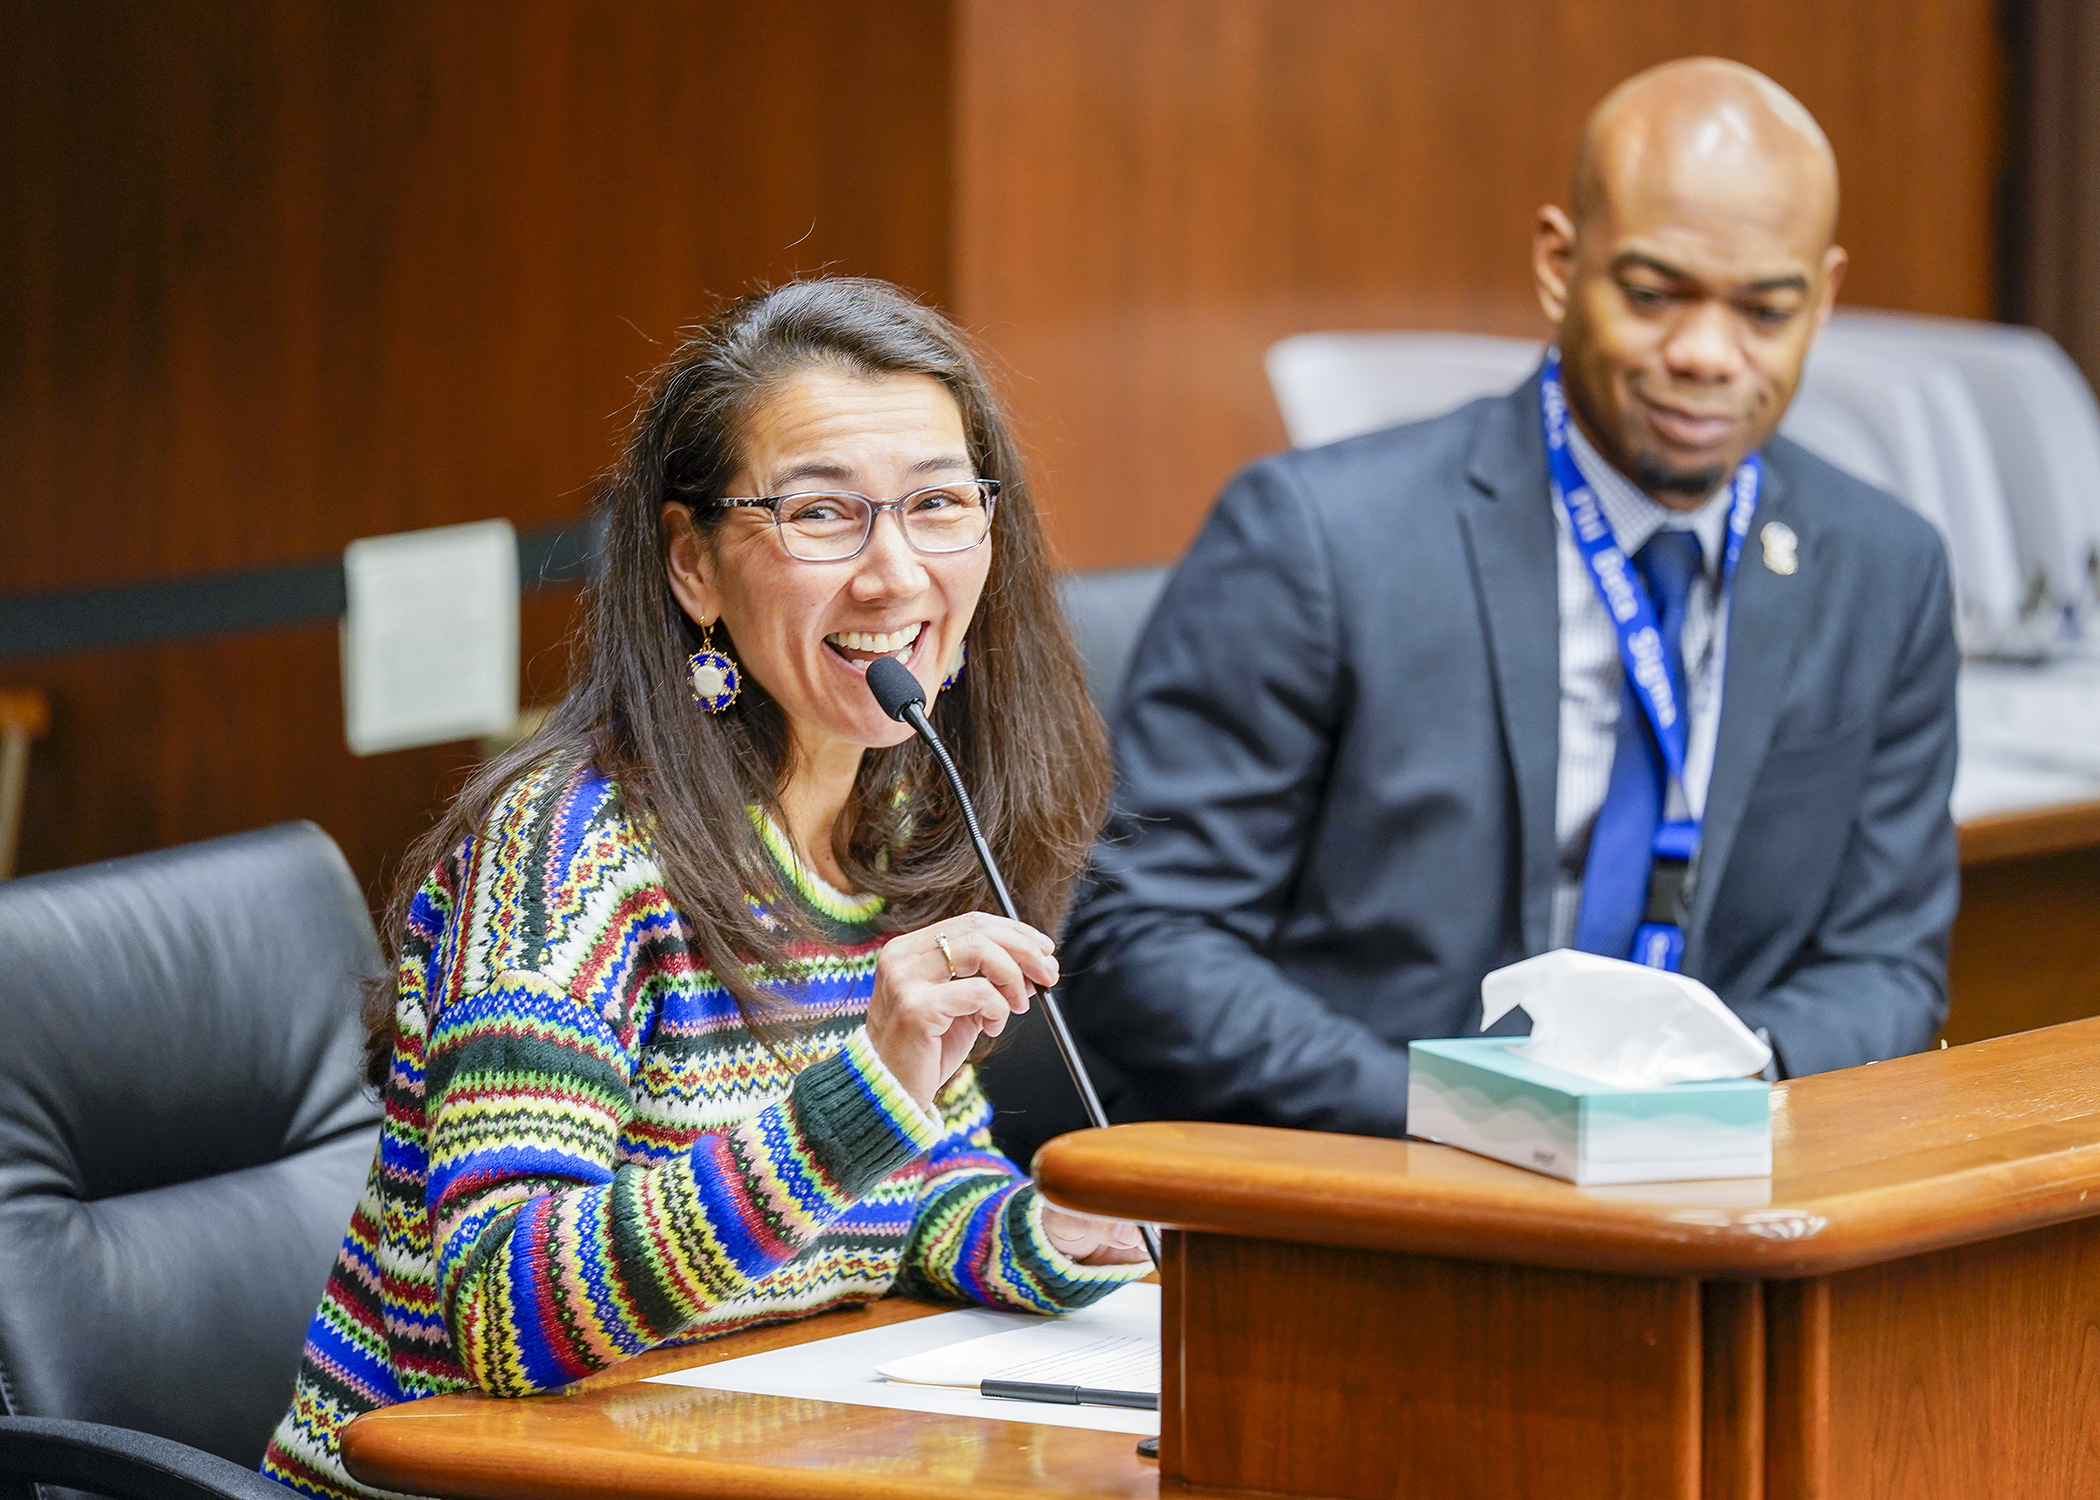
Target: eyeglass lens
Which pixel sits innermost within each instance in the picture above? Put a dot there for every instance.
(823, 527)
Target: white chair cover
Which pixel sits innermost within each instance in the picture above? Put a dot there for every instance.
(2044, 432)
(1336, 385)
(1937, 459)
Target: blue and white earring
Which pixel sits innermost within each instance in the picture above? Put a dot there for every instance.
(713, 677)
(962, 659)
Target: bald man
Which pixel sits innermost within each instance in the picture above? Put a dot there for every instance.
(1602, 663)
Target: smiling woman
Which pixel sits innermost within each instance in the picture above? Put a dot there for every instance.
(686, 987)
(812, 588)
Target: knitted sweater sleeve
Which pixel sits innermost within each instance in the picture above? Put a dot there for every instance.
(553, 1259)
(978, 1233)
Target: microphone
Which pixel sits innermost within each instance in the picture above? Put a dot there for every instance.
(904, 700)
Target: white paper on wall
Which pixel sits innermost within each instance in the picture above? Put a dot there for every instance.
(430, 639)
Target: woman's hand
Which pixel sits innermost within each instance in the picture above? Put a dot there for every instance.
(1092, 1241)
(930, 1006)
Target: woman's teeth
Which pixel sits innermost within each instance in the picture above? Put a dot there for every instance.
(876, 643)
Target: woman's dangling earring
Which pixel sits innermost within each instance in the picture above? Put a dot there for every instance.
(713, 677)
(962, 659)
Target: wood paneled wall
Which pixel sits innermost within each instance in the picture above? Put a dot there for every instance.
(275, 276)
(1150, 192)
(2051, 276)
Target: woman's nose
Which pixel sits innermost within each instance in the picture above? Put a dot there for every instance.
(889, 566)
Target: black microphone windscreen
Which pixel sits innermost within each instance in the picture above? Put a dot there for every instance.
(893, 686)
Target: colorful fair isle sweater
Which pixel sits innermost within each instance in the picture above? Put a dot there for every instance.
(586, 1154)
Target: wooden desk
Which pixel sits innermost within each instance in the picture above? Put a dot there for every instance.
(615, 1436)
(1912, 1310)
(1909, 1309)
(2026, 949)
(2027, 835)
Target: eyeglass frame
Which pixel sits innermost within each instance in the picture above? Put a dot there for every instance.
(772, 503)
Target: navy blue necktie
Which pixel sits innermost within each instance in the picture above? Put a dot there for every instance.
(1622, 845)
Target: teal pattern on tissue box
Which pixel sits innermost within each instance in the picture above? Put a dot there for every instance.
(1481, 1094)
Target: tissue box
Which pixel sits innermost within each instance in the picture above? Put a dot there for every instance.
(1481, 1094)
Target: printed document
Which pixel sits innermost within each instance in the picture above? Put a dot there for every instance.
(847, 1368)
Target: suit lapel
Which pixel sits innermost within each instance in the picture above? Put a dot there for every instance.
(1511, 544)
(1765, 616)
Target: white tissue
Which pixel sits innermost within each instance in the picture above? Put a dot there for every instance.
(1621, 1023)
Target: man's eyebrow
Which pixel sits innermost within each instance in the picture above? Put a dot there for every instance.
(1792, 281)
(1626, 260)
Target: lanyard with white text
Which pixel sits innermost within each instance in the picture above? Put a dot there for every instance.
(1662, 697)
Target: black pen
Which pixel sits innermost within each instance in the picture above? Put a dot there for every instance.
(1068, 1395)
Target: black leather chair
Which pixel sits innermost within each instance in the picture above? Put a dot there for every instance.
(183, 1134)
(1108, 611)
(1032, 1097)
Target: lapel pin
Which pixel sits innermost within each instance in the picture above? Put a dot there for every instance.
(1782, 555)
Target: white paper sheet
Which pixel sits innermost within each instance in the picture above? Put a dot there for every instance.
(1118, 1350)
(2030, 735)
(430, 642)
(844, 1369)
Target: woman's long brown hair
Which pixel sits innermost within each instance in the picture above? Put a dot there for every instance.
(1018, 722)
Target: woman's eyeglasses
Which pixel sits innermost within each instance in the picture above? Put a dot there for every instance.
(834, 525)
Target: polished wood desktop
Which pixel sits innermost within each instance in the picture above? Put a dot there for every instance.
(1910, 1306)
(615, 1436)
(2035, 832)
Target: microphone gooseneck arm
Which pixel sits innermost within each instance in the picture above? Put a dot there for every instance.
(901, 698)
(1052, 1011)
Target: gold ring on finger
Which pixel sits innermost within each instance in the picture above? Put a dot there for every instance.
(940, 941)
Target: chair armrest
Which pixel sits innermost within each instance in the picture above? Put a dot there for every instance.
(119, 1463)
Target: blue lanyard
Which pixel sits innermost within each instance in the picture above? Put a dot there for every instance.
(1659, 944)
(1661, 695)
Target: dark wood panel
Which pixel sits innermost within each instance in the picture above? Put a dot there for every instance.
(2026, 949)
(1309, 1370)
(273, 277)
(1797, 1391)
(2052, 222)
(1173, 1274)
(1732, 1402)
(1151, 191)
(1972, 1372)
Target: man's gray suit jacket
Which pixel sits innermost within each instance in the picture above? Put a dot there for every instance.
(1337, 754)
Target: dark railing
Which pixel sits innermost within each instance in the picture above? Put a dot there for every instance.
(176, 609)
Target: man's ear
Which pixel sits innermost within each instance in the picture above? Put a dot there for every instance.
(686, 563)
(1552, 260)
(1835, 261)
